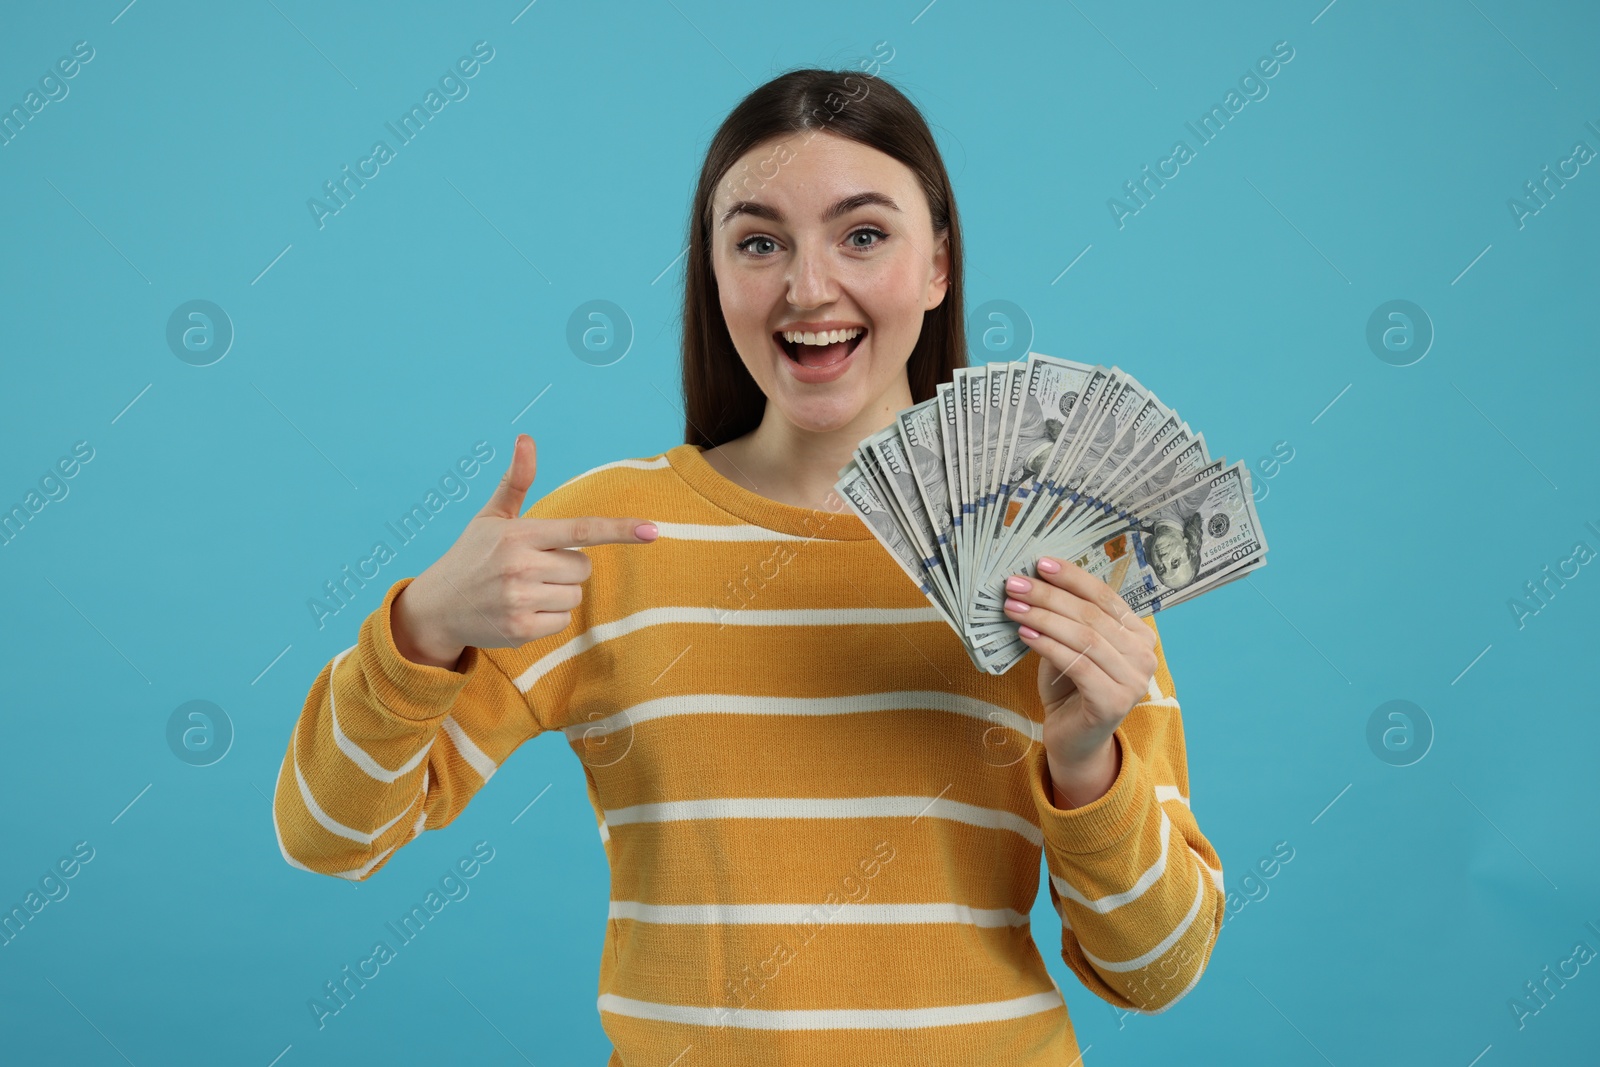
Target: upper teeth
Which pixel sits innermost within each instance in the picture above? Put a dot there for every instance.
(827, 337)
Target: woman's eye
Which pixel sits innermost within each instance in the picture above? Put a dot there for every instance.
(866, 231)
(761, 245)
(744, 245)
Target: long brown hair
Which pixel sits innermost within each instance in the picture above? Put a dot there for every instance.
(721, 400)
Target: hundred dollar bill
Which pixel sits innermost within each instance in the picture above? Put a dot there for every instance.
(1069, 544)
(946, 400)
(972, 458)
(1134, 430)
(1148, 453)
(960, 381)
(1041, 504)
(1004, 469)
(986, 397)
(919, 428)
(1092, 429)
(1191, 538)
(1242, 569)
(1111, 443)
(1051, 407)
(1180, 457)
(859, 493)
(1109, 432)
(906, 499)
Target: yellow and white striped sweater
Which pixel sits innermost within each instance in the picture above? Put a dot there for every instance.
(823, 823)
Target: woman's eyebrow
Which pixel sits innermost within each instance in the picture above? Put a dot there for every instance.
(772, 214)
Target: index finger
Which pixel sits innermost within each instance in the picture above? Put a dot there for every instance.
(1076, 580)
(581, 531)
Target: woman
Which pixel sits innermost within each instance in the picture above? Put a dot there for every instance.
(824, 825)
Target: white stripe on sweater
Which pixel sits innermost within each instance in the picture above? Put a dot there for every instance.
(1151, 875)
(663, 616)
(354, 874)
(1170, 792)
(834, 1018)
(358, 755)
(689, 531)
(1146, 959)
(654, 463)
(475, 757)
(332, 825)
(1155, 698)
(326, 821)
(825, 808)
(1198, 971)
(1214, 872)
(422, 810)
(850, 704)
(821, 914)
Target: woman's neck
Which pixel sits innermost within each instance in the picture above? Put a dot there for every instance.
(796, 466)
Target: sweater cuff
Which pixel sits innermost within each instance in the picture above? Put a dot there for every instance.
(1102, 822)
(415, 693)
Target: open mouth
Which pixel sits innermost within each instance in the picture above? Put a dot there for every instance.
(824, 351)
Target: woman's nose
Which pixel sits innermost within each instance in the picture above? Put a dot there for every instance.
(810, 280)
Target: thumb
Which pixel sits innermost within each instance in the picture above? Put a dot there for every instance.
(506, 500)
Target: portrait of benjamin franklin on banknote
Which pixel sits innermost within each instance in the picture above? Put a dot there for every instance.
(1173, 550)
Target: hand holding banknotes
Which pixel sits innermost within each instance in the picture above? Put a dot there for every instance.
(1012, 461)
(1096, 660)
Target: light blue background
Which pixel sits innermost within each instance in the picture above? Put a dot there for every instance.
(428, 314)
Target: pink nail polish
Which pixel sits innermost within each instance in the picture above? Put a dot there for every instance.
(1048, 565)
(1015, 605)
(1018, 584)
(1028, 632)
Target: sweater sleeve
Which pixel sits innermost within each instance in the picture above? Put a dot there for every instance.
(385, 748)
(1138, 887)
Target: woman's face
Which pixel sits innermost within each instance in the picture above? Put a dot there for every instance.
(816, 232)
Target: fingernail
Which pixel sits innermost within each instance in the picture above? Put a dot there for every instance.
(1015, 605)
(1018, 584)
(1028, 632)
(1048, 565)
(646, 531)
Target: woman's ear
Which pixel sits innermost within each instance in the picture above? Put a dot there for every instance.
(939, 282)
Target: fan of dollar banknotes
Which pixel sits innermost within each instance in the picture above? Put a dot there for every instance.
(1049, 457)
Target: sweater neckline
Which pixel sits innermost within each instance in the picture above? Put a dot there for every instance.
(690, 463)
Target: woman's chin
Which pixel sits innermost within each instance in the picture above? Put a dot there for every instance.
(820, 415)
